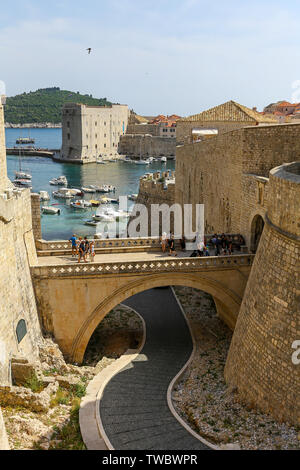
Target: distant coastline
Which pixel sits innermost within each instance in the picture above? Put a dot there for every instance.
(36, 125)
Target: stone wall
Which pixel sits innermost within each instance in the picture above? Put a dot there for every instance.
(152, 129)
(147, 145)
(18, 312)
(36, 216)
(229, 174)
(259, 362)
(184, 128)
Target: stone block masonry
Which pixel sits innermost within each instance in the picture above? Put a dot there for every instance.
(36, 216)
(259, 362)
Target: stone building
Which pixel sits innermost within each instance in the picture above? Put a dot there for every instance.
(223, 118)
(89, 132)
(154, 138)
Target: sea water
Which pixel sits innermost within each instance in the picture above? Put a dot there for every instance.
(124, 176)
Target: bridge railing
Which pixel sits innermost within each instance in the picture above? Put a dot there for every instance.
(149, 266)
(130, 243)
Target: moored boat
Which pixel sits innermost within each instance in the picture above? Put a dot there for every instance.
(50, 210)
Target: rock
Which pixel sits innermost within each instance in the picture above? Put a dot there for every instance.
(66, 382)
(50, 353)
(24, 397)
(22, 372)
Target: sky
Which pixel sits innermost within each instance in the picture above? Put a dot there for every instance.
(166, 56)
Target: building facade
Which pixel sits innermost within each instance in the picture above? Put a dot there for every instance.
(90, 132)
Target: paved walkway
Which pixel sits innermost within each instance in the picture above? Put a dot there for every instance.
(134, 410)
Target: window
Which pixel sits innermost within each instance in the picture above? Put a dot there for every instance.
(104, 135)
(87, 136)
(96, 146)
(69, 136)
(105, 146)
(68, 123)
(21, 330)
(96, 136)
(104, 123)
(95, 123)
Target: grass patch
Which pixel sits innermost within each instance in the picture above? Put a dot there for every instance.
(35, 385)
(69, 436)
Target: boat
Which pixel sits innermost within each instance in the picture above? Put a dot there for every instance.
(25, 140)
(63, 193)
(76, 192)
(112, 201)
(163, 159)
(60, 181)
(88, 190)
(142, 162)
(50, 210)
(93, 223)
(106, 188)
(44, 196)
(103, 217)
(100, 161)
(22, 175)
(133, 197)
(80, 204)
(95, 203)
(22, 182)
(112, 215)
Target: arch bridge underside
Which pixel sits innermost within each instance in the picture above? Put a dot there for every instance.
(73, 300)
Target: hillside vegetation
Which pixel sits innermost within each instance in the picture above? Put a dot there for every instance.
(44, 105)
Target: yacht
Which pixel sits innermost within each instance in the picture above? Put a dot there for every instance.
(163, 159)
(22, 182)
(80, 204)
(63, 193)
(22, 175)
(60, 181)
(88, 189)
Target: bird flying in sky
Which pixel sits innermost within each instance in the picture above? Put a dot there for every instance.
(89, 49)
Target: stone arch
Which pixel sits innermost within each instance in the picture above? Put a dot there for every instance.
(257, 226)
(227, 303)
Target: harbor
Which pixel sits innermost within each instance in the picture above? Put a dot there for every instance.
(119, 174)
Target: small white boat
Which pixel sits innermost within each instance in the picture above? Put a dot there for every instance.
(50, 210)
(106, 188)
(103, 217)
(80, 204)
(63, 193)
(88, 190)
(22, 175)
(163, 159)
(91, 222)
(44, 196)
(142, 162)
(60, 181)
(23, 182)
(75, 192)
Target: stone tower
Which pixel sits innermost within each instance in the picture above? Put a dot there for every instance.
(259, 362)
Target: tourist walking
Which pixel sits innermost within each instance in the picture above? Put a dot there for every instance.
(164, 242)
(81, 250)
(92, 251)
(86, 248)
(182, 243)
(74, 245)
(200, 248)
(172, 246)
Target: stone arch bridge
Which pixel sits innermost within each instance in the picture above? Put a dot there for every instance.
(73, 298)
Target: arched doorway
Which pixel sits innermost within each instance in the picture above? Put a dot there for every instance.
(257, 227)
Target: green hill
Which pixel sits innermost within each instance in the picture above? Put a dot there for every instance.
(44, 105)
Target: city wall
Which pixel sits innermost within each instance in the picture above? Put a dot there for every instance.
(147, 145)
(259, 363)
(20, 331)
(229, 174)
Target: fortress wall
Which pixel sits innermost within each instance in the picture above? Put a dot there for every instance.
(209, 173)
(220, 173)
(184, 128)
(17, 250)
(152, 129)
(259, 361)
(146, 145)
(36, 216)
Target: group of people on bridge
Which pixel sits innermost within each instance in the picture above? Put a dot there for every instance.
(82, 247)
